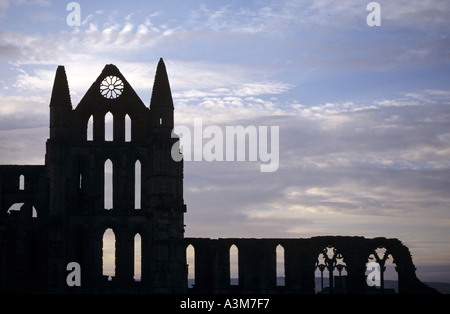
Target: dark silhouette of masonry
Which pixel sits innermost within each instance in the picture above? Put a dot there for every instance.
(63, 214)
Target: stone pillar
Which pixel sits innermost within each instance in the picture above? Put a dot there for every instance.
(293, 261)
(248, 261)
(205, 260)
(306, 267)
(356, 268)
(146, 259)
(266, 259)
(221, 282)
(124, 257)
(97, 260)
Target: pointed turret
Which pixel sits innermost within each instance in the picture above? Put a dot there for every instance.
(161, 94)
(161, 104)
(60, 105)
(60, 92)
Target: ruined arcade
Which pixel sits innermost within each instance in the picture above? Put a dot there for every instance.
(64, 215)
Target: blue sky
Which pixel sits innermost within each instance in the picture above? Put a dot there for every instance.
(364, 112)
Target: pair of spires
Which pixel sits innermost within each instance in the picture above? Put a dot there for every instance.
(161, 93)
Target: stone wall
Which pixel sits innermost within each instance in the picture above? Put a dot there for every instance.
(257, 264)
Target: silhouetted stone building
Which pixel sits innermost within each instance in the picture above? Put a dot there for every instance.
(64, 212)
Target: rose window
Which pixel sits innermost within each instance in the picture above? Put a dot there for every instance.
(111, 87)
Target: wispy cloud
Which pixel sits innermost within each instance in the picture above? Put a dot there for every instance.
(366, 165)
(372, 171)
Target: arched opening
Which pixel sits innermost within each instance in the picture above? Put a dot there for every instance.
(21, 182)
(137, 257)
(108, 185)
(234, 265)
(109, 254)
(109, 127)
(22, 209)
(15, 208)
(330, 271)
(90, 129)
(190, 259)
(381, 275)
(127, 128)
(137, 185)
(280, 266)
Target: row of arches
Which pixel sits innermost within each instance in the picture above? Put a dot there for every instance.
(109, 184)
(109, 255)
(108, 124)
(109, 128)
(330, 269)
(234, 265)
(23, 207)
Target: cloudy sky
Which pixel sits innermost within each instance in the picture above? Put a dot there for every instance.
(363, 112)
